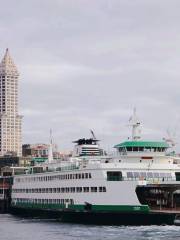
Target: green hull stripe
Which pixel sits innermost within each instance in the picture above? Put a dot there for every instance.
(79, 207)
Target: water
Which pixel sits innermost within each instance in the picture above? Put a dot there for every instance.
(15, 228)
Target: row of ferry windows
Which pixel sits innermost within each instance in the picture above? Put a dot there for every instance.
(55, 177)
(148, 175)
(142, 149)
(60, 190)
(43, 201)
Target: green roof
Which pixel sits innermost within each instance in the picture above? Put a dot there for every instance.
(39, 159)
(142, 144)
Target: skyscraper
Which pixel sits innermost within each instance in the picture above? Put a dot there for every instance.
(10, 120)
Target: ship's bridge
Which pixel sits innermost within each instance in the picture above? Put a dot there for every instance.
(146, 152)
(142, 147)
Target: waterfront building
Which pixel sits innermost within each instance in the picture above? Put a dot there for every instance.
(39, 152)
(10, 120)
(35, 150)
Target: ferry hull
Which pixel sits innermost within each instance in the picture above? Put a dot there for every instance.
(99, 218)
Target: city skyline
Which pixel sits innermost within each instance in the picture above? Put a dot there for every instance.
(89, 64)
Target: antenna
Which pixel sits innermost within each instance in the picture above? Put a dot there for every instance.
(50, 152)
(50, 135)
(93, 135)
(171, 137)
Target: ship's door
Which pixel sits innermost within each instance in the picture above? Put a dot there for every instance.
(177, 176)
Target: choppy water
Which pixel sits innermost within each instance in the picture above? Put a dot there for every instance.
(14, 228)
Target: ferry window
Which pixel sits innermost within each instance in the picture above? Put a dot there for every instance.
(129, 149)
(141, 149)
(79, 189)
(122, 149)
(147, 149)
(82, 175)
(156, 175)
(142, 174)
(90, 175)
(162, 175)
(86, 175)
(93, 189)
(86, 189)
(114, 176)
(168, 175)
(102, 189)
(149, 174)
(129, 175)
(135, 149)
(136, 174)
(71, 201)
(76, 176)
(79, 176)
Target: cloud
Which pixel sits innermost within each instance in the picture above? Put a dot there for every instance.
(86, 64)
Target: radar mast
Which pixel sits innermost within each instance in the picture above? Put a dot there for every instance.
(50, 152)
(136, 126)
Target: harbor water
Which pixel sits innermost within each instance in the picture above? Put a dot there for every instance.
(16, 228)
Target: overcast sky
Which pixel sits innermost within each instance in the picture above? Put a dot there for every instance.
(85, 64)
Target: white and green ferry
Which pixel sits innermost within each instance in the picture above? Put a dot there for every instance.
(140, 185)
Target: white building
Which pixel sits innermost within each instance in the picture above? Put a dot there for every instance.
(10, 120)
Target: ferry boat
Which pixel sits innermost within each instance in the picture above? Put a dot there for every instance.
(140, 185)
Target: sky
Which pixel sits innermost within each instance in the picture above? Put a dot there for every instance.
(85, 64)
